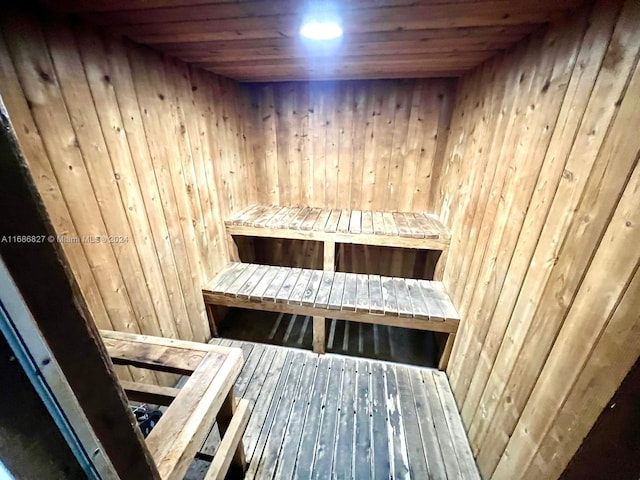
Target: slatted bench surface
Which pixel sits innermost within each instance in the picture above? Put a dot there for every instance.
(419, 304)
(395, 229)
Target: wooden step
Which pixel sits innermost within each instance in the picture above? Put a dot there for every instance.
(392, 229)
(400, 302)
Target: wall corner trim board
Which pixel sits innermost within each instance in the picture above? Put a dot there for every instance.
(530, 160)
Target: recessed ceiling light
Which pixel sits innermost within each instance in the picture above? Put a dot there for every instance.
(321, 30)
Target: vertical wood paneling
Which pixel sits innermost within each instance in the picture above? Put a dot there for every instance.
(445, 108)
(435, 102)
(370, 145)
(318, 135)
(362, 145)
(284, 114)
(154, 98)
(48, 117)
(332, 159)
(382, 137)
(306, 171)
(359, 120)
(411, 154)
(373, 112)
(540, 174)
(34, 151)
(537, 177)
(345, 129)
(95, 65)
(267, 167)
(205, 172)
(118, 74)
(399, 139)
(124, 142)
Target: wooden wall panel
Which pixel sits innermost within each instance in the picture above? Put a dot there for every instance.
(370, 145)
(540, 191)
(126, 143)
(376, 145)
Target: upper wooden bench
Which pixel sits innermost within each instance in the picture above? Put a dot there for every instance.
(206, 396)
(409, 303)
(390, 229)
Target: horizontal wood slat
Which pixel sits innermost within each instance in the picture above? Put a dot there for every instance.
(146, 393)
(153, 357)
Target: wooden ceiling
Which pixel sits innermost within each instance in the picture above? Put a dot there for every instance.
(258, 40)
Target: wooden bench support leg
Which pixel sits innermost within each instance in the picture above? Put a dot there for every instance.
(224, 417)
(219, 468)
(329, 257)
(319, 323)
(212, 320)
(446, 352)
(441, 264)
(319, 334)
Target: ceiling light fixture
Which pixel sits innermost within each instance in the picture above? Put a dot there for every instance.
(314, 30)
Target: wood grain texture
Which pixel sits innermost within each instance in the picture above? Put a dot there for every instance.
(337, 416)
(539, 175)
(531, 162)
(351, 145)
(231, 443)
(205, 395)
(259, 41)
(412, 305)
(38, 286)
(254, 221)
(338, 145)
(127, 144)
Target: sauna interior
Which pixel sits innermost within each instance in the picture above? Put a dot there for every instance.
(320, 239)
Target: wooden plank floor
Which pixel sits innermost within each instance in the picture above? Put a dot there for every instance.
(330, 416)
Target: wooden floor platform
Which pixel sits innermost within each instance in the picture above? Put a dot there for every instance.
(393, 229)
(330, 416)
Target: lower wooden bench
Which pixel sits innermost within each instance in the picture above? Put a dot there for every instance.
(205, 397)
(401, 302)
